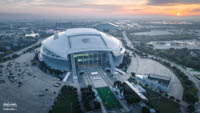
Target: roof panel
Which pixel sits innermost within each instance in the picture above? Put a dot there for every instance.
(78, 31)
(86, 41)
(81, 39)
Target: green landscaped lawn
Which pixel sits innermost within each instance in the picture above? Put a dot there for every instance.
(67, 102)
(162, 104)
(108, 98)
(64, 104)
(165, 105)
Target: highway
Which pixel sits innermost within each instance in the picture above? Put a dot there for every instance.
(20, 52)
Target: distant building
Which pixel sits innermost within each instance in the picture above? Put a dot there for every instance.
(32, 35)
(161, 83)
(108, 27)
(51, 31)
(63, 26)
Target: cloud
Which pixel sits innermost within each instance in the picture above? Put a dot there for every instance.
(196, 10)
(167, 2)
(72, 4)
(9, 2)
(101, 7)
(90, 6)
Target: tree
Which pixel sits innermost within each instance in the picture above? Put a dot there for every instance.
(145, 110)
(171, 97)
(191, 108)
(133, 74)
(132, 98)
(97, 105)
(117, 83)
(177, 100)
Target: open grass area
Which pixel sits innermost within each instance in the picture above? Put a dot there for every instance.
(162, 104)
(165, 105)
(66, 102)
(108, 98)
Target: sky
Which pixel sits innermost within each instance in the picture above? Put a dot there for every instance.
(102, 8)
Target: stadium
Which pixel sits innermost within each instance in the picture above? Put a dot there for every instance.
(77, 49)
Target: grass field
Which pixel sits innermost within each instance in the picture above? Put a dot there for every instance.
(162, 104)
(108, 98)
(66, 102)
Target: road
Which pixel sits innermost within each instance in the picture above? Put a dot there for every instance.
(20, 52)
(129, 43)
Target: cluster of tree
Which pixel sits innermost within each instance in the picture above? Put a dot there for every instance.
(142, 49)
(35, 60)
(126, 62)
(8, 44)
(148, 38)
(88, 98)
(44, 34)
(32, 48)
(186, 57)
(190, 93)
(129, 95)
(129, 48)
(45, 68)
(124, 42)
(4, 59)
(132, 78)
(66, 101)
(145, 110)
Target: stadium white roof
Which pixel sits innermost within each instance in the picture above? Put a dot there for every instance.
(82, 39)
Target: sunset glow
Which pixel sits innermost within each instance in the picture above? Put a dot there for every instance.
(102, 8)
(178, 14)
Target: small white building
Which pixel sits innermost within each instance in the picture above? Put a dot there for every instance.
(118, 92)
(50, 31)
(161, 83)
(152, 110)
(32, 35)
(141, 89)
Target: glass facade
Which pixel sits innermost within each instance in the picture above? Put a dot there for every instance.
(91, 59)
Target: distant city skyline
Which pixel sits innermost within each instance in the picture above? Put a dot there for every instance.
(102, 8)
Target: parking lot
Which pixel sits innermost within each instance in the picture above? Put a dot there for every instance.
(32, 90)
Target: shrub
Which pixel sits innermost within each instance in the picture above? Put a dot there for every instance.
(145, 110)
